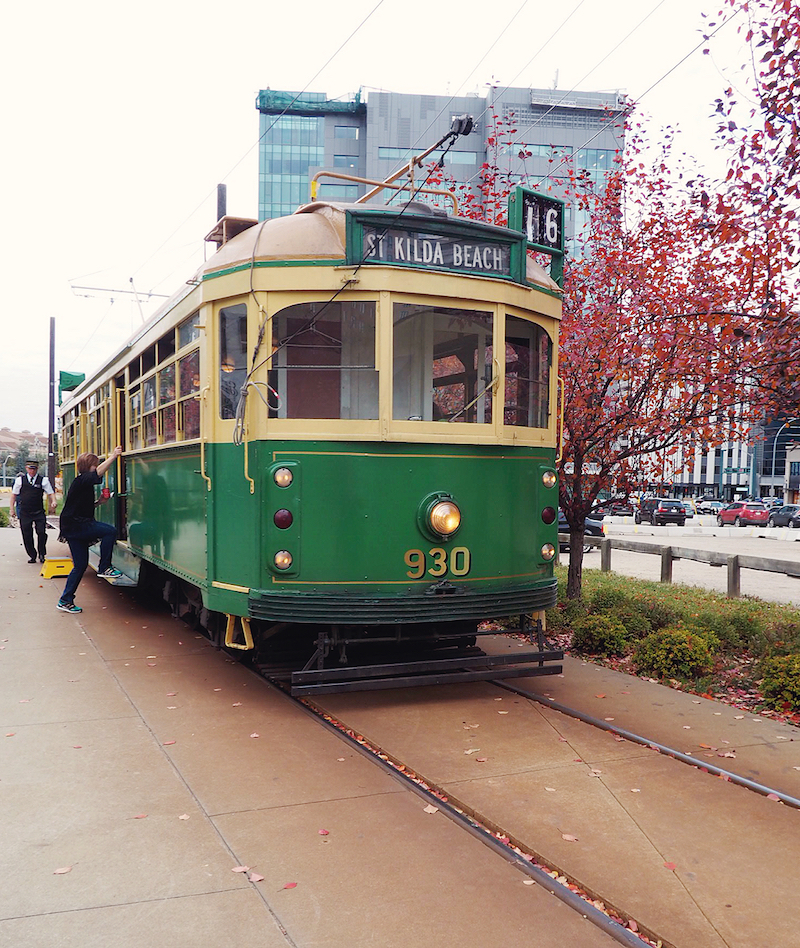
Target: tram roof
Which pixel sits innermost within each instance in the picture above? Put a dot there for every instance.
(318, 231)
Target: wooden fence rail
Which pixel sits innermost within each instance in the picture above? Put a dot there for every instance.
(734, 562)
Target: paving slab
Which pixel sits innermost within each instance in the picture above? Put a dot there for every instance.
(540, 776)
(132, 766)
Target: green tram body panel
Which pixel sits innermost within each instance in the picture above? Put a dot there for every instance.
(356, 532)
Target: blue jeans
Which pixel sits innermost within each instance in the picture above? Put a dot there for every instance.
(79, 540)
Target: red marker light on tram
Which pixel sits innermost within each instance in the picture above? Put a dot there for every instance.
(548, 515)
(283, 518)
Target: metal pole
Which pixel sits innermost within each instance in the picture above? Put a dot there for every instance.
(51, 454)
(774, 447)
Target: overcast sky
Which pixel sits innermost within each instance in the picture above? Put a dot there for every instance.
(120, 120)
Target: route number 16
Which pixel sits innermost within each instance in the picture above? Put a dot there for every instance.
(438, 562)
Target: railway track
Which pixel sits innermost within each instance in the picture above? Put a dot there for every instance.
(624, 911)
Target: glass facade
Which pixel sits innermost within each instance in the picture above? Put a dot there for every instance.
(289, 145)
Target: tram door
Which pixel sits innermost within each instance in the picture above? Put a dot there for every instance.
(121, 507)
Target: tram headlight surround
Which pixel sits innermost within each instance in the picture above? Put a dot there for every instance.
(549, 479)
(283, 476)
(548, 552)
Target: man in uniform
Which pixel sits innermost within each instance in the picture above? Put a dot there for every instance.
(27, 495)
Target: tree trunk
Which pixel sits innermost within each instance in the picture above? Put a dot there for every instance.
(575, 572)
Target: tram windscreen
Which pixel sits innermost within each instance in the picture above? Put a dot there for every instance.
(442, 364)
(528, 359)
(323, 361)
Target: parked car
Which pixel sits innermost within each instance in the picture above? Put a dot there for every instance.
(613, 508)
(591, 525)
(688, 506)
(661, 511)
(786, 516)
(710, 507)
(741, 513)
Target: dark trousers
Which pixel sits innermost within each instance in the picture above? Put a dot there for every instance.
(79, 542)
(27, 522)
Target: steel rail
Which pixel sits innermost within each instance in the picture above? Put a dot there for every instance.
(621, 934)
(655, 745)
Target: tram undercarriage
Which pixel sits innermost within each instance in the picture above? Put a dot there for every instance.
(324, 659)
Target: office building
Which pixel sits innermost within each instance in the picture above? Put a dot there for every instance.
(303, 134)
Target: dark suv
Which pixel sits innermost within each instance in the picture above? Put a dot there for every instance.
(659, 512)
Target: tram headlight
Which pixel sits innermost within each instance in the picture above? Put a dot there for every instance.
(282, 559)
(283, 477)
(549, 478)
(548, 552)
(445, 518)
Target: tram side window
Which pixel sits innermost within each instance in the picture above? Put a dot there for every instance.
(528, 359)
(442, 364)
(135, 418)
(232, 357)
(324, 361)
(188, 387)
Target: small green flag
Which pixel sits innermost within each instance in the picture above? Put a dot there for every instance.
(67, 381)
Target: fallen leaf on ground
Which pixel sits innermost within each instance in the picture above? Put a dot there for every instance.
(569, 838)
(184, 816)
(140, 816)
(167, 743)
(502, 712)
(670, 865)
(481, 760)
(241, 869)
(324, 832)
(430, 808)
(773, 796)
(528, 882)
(550, 789)
(599, 696)
(290, 885)
(255, 734)
(63, 871)
(255, 877)
(472, 750)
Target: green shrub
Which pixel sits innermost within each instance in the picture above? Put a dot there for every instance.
(781, 684)
(565, 614)
(636, 624)
(676, 653)
(608, 599)
(3, 517)
(660, 614)
(778, 637)
(600, 635)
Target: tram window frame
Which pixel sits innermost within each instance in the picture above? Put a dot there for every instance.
(518, 331)
(414, 363)
(232, 338)
(305, 381)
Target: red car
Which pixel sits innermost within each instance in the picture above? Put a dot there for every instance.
(741, 513)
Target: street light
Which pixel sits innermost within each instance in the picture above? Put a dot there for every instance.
(775, 445)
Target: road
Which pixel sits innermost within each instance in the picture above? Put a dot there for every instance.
(778, 543)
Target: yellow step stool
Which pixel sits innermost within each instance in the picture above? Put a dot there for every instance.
(56, 566)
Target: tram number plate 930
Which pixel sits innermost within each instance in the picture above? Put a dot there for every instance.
(437, 562)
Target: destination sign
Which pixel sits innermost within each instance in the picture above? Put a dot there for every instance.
(418, 249)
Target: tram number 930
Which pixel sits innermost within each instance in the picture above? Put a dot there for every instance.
(437, 562)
